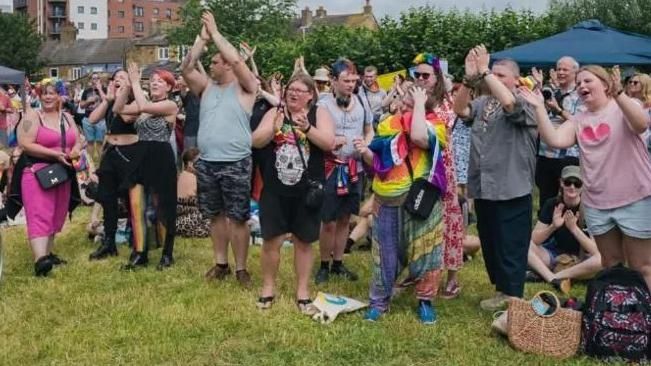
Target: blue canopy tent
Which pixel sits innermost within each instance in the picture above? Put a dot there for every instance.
(589, 42)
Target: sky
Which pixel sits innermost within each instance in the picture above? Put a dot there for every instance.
(394, 7)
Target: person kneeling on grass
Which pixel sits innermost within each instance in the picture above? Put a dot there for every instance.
(561, 231)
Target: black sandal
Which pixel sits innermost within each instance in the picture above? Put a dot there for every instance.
(306, 307)
(265, 302)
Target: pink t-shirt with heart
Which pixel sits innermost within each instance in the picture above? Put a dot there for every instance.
(614, 159)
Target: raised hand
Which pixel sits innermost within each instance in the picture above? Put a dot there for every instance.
(471, 63)
(110, 91)
(301, 122)
(616, 77)
(419, 95)
(538, 76)
(204, 35)
(533, 98)
(208, 21)
(553, 77)
(134, 73)
(247, 50)
(483, 58)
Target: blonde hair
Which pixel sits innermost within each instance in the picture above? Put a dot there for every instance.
(645, 87)
(604, 76)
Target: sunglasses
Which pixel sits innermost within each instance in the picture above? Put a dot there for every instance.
(572, 182)
(633, 82)
(422, 75)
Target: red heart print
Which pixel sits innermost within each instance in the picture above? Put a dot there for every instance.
(595, 135)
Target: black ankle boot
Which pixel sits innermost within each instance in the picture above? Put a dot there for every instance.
(43, 266)
(137, 260)
(105, 250)
(166, 261)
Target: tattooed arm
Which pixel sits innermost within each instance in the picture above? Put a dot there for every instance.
(27, 140)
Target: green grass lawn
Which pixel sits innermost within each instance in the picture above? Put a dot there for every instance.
(93, 314)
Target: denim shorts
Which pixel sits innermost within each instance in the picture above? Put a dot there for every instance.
(94, 132)
(632, 219)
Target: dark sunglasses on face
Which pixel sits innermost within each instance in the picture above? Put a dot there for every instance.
(575, 182)
(633, 82)
(423, 75)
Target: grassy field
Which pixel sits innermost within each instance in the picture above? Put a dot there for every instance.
(93, 314)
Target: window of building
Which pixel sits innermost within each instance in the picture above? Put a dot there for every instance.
(80, 25)
(163, 53)
(93, 10)
(80, 10)
(139, 11)
(120, 29)
(182, 51)
(168, 13)
(155, 11)
(75, 73)
(54, 72)
(139, 26)
(93, 26)
(108, 28)
(120, 13)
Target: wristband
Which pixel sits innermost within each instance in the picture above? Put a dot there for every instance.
(484, 74)
(619, 92)
(309, 127)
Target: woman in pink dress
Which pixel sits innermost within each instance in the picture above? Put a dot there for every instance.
(40, 137)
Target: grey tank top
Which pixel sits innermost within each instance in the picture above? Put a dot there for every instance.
(224, 129)
(153, 128)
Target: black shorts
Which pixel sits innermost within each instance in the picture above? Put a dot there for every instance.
(335, 206)
(224, 188)
(281, 215)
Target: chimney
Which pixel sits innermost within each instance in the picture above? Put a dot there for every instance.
(321, 12)
(368, 9)
(68, 33)
(306, 17)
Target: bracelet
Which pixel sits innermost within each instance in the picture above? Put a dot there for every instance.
(619, 92)
(484, 74)
(309, 127)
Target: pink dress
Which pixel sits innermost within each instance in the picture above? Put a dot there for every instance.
(46, 210)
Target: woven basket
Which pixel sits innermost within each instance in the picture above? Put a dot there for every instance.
(556, 335)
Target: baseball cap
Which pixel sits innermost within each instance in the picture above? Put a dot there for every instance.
(571, 171)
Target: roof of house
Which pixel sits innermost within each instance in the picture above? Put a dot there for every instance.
(85, 51)
(154, 40)
(350, 20)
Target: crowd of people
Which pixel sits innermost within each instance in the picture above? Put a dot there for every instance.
(326, 152)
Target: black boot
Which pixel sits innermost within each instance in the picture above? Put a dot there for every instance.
(137, 260)
(167, 259)
(56, 260)
(106, 249)
(43, 266)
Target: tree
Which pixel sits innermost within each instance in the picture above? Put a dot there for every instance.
(627, 15)
(20, 44)
(254, 21)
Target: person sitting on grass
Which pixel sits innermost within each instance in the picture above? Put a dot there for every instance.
(560, 231)
(189, 221)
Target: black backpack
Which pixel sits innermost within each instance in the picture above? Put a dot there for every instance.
(617, 316)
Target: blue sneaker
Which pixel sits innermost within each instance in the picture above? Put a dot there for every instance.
(373, 314)
(426, 313)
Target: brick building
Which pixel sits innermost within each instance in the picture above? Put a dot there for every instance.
(140, 18)
(101, 18)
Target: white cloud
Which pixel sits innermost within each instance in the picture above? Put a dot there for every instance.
(393, 7)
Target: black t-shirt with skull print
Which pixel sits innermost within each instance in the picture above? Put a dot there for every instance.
(283, 171)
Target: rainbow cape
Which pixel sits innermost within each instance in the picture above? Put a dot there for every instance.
(390, 148)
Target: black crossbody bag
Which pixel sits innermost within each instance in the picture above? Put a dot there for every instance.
(422, 194)
(54, 174)
(315, 192)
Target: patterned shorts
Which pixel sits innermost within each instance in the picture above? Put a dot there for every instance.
(224, 188)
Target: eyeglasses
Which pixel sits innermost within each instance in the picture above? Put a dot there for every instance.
(423, 75)
(633, 82)
(572, 182)
(297, 91)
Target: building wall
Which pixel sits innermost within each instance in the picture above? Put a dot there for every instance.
(6, 6)
(89, 14)
(49, 14)
(136, 18)
(74, 72)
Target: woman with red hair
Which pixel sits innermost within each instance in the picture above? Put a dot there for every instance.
(155, 180)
